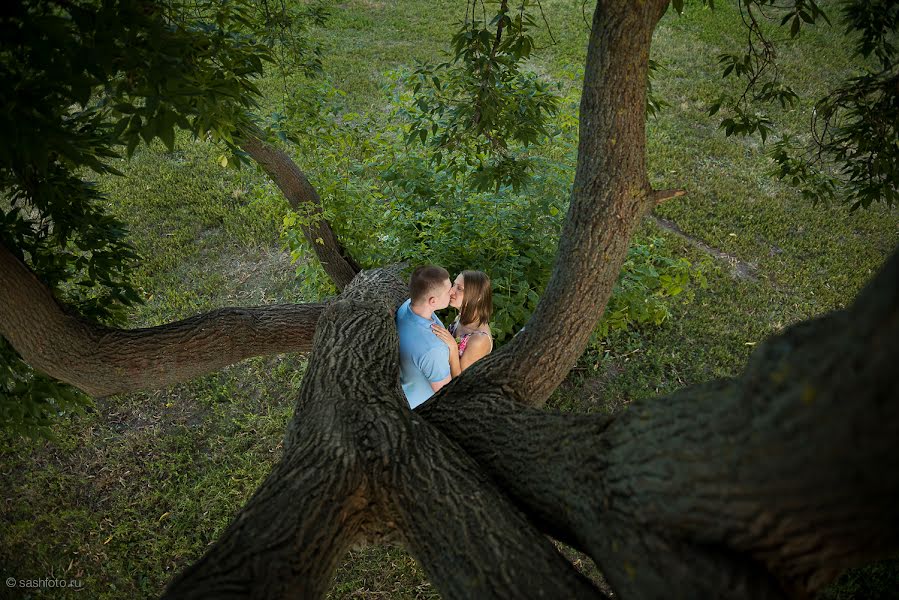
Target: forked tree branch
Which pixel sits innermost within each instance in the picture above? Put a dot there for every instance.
(470, 540)
(357, 461)
(731, 489)
(103, 361)
(767, 484)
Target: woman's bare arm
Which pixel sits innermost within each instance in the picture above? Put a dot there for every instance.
(478, 347)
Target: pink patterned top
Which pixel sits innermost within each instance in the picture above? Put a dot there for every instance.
(463, 340)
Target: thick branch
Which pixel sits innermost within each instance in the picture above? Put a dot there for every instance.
(334, 258)
(327, 491)
(768, 483)
(610, 195)
(321, 497)
(471, 541)
(103, 361)
(358, 461)
(289, 538)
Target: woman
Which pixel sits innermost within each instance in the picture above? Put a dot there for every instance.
(468, 338)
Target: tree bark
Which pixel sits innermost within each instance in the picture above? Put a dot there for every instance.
(334, 258)
(762, 486)
(611, 194)
(103, 360)
(766, 485)
(357, 463)
(734, 489)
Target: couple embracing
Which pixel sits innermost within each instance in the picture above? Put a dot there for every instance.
(430, 354)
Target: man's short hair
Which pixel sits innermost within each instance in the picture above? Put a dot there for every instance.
(425, 280)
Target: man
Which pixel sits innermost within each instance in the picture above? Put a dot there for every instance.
(424, 358)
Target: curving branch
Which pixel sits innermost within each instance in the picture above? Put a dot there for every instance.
(103, 361)
(334, 258)
(765, 485)
(611, 194)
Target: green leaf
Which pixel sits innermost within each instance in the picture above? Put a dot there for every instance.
(167, 135)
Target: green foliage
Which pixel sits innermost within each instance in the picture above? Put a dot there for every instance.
(854, 151)
(286, 28)
(649, 277)
(855, 147)
(857, 125)
(479, 112)
(198, 450)
(30, 402)
(390, 203)
(654, 104)
(80, 82)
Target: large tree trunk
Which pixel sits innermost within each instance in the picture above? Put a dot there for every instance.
(103, 360)
(357, 463)
(763, 486)
(770, 483)
(760, 487)
(734, 489)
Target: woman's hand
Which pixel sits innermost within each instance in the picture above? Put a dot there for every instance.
(447, 338)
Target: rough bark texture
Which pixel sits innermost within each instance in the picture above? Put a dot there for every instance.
(765, 485)
(758, 487)
(103, 360)
(336, 261)
(357, 463)
(610, 195)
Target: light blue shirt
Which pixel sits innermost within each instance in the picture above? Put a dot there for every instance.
(424, 358)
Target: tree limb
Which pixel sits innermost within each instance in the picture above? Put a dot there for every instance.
(470, 540)
(611, 194)
(288, 539)
(356, 461)
(761, 485)
(334, 258)
(103, 360)
(327, 491)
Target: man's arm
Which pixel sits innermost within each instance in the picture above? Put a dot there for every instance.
(435, 367)
(436, 385)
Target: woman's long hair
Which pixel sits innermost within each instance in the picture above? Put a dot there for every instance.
(477, 302)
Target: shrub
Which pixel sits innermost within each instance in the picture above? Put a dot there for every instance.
(390, 201)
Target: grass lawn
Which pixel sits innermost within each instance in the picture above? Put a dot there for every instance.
(133, 492)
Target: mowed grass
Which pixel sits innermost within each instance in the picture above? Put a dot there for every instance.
(136, 490)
